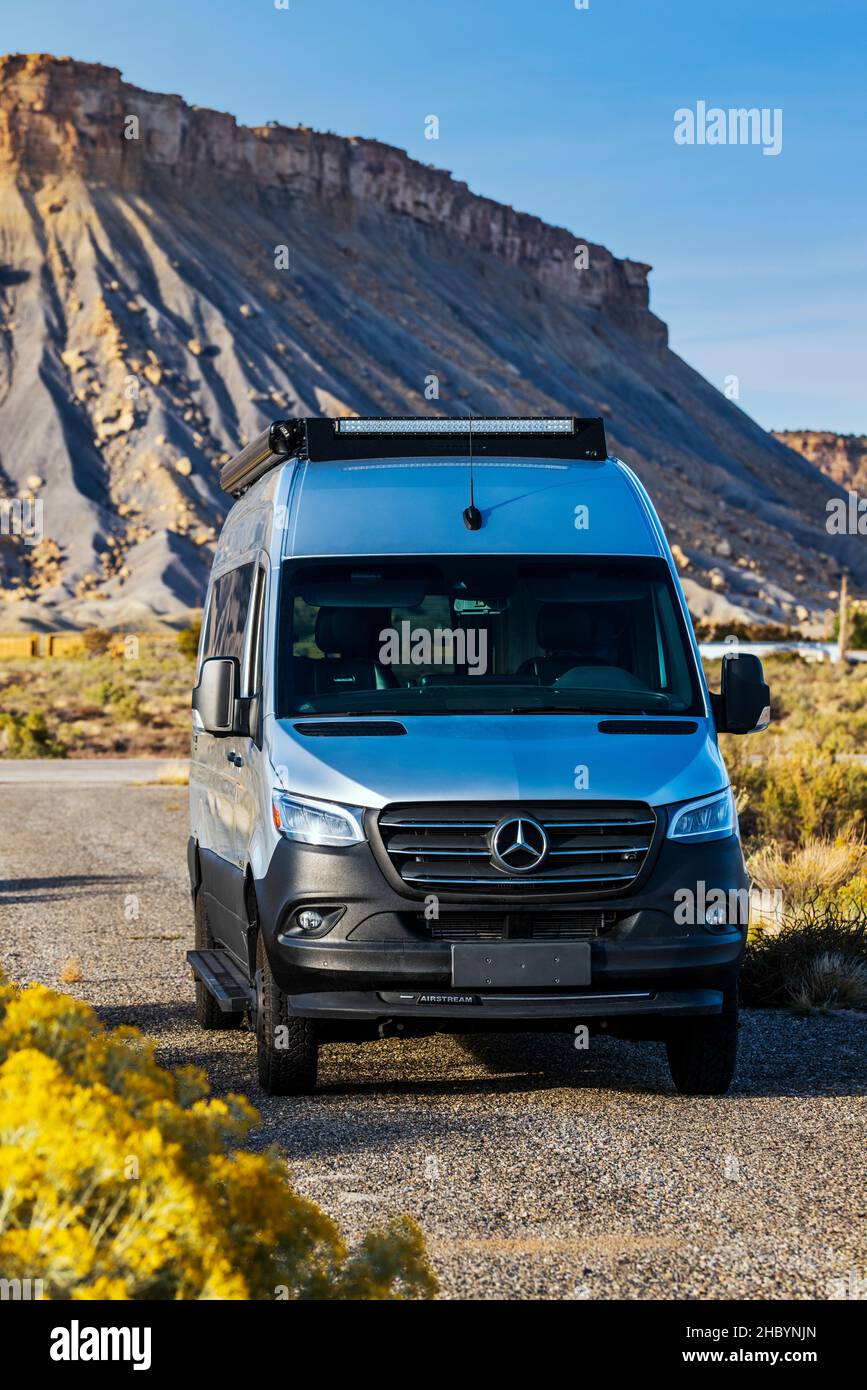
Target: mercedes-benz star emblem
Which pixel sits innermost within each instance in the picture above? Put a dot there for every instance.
(518, 845)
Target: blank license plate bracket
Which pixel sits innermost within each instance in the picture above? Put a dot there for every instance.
(509, 965)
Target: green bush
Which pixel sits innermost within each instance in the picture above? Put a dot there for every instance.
(117, 698)
(129, 706)
(28, 736)
(857, 639)
(188, 639)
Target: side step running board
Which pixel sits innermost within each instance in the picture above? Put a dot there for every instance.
(223, 979)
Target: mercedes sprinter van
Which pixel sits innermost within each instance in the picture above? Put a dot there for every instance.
(454, 760)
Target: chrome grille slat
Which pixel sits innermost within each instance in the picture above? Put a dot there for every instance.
(437, 825)
(601, 852)
(453, 853)
(598, 850)
(603, 825)
(505, 884)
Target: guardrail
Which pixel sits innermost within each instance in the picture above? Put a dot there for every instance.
(810, 651)
(16, 646)
(12, 647)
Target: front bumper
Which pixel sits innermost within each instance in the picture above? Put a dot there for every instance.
(378, 961)
(487, 1008)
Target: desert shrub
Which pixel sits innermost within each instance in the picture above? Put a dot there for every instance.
(188, 639)
(116, 698)
(840, 732)
(817, 867)
(823, 702)
(73, 692)
(830, 981)
(100, 693)
(129, 706)
(857, 629)
(852, 896)
(708, 631)
(97, 641)
(779, 964)
(796, 796)
(122, 1179)
(28, 736)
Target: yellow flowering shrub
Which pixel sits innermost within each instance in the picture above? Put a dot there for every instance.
(851, 899)
(122, 1179)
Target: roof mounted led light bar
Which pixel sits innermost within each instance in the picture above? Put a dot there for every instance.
(496, 424)
(354, 439)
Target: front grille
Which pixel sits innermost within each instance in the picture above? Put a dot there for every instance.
(523, 926)
(593, 848)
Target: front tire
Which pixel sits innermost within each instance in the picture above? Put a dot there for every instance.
(287, 1049)
(208, 1012)
(702, 1051)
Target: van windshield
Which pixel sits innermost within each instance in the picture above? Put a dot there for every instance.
(483, 635)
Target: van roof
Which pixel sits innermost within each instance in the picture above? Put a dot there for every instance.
(390, 506)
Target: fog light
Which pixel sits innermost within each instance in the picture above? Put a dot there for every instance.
(716, 916)
(310, 919)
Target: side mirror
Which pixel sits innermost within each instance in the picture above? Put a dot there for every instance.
(215, 696)
(743, 705)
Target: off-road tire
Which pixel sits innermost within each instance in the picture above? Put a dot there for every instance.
(208, 1012)
(286, 1059)
(702, 1051)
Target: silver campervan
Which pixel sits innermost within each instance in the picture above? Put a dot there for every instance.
(454, 759)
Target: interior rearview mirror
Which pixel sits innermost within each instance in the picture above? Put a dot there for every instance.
(743, 705)
(215, 696)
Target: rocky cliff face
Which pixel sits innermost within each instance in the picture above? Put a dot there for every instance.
(170, 281)
(841, 457)
(59, 117)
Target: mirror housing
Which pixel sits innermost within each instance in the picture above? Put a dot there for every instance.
(215, 698)
(743, 705)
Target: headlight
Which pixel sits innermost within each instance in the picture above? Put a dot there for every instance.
(318, 822)
(712, 818)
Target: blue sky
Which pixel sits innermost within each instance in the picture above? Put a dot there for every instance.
(758, 261)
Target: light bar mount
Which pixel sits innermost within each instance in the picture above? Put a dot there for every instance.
(321, 441)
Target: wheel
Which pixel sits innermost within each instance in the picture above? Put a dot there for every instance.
(286, 1048)
(208, 1012)
(702, 1051)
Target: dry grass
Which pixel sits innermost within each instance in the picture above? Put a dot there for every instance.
(809, 958)
(818, 866)
(830, 981)
(71, 973)
(176, 775)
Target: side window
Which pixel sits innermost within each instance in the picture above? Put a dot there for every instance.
(255, 635)
(227, 613)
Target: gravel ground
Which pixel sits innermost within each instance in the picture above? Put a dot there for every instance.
(535, 1171)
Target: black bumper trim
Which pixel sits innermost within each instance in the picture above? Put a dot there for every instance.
(367, 1005)
(382, 962)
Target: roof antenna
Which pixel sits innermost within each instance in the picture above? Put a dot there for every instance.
(472, 515)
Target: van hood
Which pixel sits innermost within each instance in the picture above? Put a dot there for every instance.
(491, 758)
